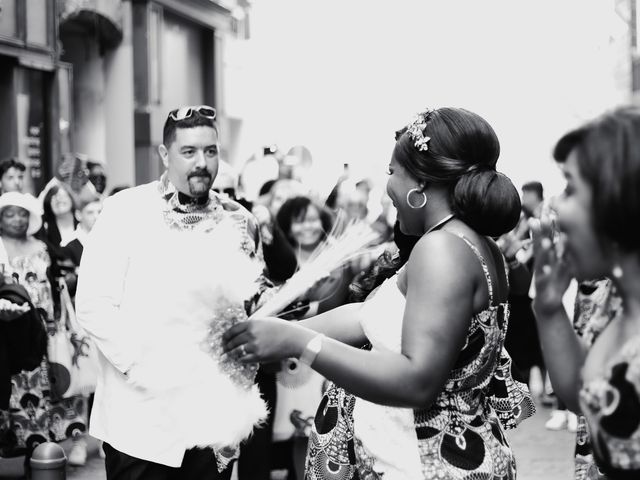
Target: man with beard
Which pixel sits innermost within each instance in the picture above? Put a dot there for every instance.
(532, 199)
(150, 267)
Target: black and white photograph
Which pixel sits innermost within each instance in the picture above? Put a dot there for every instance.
(319, 240)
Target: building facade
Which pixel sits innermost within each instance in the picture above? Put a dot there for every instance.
(135, 60)
(633, 14)
(627, 72)
(30, 85)
(98, 77)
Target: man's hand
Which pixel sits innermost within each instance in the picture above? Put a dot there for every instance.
(510, 244)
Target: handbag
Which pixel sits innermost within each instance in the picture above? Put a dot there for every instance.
(25, 336)
(72, 355)
(23, 340)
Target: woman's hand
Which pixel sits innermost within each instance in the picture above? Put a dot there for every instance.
(552, 273)
(265, 340)
(511, 244)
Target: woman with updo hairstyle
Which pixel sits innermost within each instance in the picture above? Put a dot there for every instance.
(462, 154)
(433, 394)
(596, 221)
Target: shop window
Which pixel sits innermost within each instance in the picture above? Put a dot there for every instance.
(635, 12)
(8, 18)
(31, 103)
(7, 112)
(37, 22)
(65, 78)
(182, 63)
(634, 25)
(155, 52)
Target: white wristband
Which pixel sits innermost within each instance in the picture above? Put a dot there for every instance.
(312, 349)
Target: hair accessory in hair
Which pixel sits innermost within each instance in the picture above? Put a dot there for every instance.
(416, 130)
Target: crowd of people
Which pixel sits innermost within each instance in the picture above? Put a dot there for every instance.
(409, 361)
(41, 247)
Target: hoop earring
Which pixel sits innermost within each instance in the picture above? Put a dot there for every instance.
(424, 198)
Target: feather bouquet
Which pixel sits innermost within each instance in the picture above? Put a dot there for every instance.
(345, 241)
(184, 367)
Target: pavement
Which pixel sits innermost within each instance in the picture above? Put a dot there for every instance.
(11, 468)
(540, 454)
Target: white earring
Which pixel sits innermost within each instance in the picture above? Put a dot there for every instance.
(424, 198)
(617, 271)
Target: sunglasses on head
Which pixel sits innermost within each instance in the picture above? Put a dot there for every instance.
(186, 112)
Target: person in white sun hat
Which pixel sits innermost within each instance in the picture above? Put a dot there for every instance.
(29, 420)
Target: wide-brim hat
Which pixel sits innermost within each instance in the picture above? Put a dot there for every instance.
(29, 203)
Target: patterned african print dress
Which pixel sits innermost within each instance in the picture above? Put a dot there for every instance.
(608, 436)
(32, 418)
(459, 437)
(597, 304)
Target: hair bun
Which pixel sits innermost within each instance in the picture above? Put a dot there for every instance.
(480, 167)
(486, 200)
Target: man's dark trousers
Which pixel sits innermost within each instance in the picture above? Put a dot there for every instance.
(198, 464)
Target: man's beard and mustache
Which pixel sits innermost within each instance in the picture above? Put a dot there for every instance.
(199, 182)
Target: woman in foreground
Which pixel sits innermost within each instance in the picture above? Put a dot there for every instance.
(426, 391)
(598, 216)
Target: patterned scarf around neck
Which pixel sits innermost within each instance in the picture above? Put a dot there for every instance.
(188, 216)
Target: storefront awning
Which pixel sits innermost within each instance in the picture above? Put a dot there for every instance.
(101, 18)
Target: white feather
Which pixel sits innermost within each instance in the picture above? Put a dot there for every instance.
(190, 378)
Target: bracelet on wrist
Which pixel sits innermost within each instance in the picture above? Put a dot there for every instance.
(312, 349)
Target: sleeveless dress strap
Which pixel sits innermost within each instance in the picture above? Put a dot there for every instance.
(506, 270)
(505, 266)
(483, 262)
